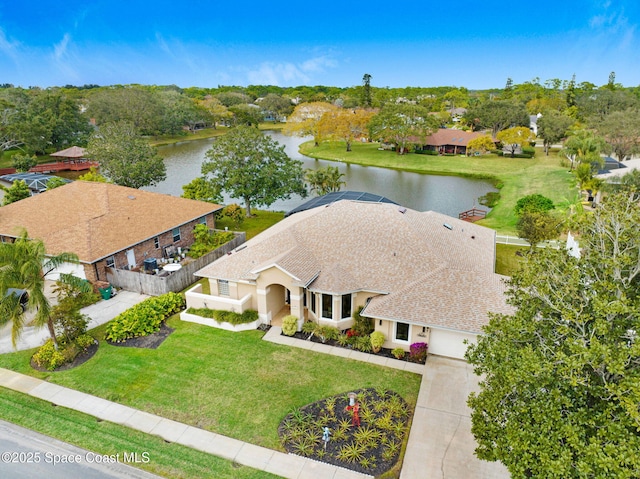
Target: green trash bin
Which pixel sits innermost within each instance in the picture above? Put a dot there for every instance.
(105, 292)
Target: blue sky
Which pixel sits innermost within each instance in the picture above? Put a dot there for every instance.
(403, 43)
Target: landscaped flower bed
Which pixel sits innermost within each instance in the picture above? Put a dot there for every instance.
(417, 353)
(372, 447)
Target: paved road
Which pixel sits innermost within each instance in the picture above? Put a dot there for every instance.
(25, 454)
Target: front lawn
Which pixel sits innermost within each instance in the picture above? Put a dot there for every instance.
(230, 383)
(106, 438)
(518, 176)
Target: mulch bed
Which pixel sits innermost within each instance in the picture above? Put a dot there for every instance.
(151, 341)
(384, 352)
(81, 358)
(373, 459)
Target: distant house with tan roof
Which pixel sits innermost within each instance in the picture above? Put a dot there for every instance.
(423, 277)
(450, 141)
(106, 225)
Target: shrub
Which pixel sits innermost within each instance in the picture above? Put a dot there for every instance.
(527, 150)
(418, 352)
(223, 316)
(535, 203)
(68, 321)
(398, 353)
(235, 213)
(362, 326)
(48, 356)
(377, 340)
(326, 333)
(363, 343)
(206, 241)
(426, 152)
(308, 327)
(84, 341)
(289, 325)
(248, 316)
(343, 340)
(490, 199)
(144, 318)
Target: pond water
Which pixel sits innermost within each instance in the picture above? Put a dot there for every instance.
(445, 194)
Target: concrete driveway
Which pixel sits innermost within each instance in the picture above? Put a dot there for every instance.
(100, 313)
(440, 443)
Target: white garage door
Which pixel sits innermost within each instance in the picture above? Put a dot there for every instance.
(449, 343)
(67, 268)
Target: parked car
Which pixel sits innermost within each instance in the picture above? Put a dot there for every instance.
(20, 293)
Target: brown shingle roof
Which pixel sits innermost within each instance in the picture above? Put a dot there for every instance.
(448, 136)
(73, 152)
(357, 246)
(95, 220)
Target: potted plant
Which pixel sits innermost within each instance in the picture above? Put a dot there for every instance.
(377, 340)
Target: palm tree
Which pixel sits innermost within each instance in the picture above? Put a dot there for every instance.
(584, 147)
(325, 180)
(24, 264)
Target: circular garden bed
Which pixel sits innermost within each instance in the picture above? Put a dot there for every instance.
(371, 445)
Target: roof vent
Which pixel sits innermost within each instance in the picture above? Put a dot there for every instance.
(448, 226)
(131, 197)
(402, 210)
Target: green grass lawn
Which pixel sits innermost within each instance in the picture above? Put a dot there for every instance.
(165, 459)
(230, 383)
(508, 258)
(518, 176)
(260, 221)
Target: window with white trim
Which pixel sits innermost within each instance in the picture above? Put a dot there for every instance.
(111, 262)
(327, 306)
(223, 287)
(402, 332)
(313, 302)
(203, 220)
(156, 242)
(176, 234)
(346, 306)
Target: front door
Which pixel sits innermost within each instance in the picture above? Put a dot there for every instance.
(131, 258)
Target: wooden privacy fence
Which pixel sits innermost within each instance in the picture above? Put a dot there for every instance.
(155, 285)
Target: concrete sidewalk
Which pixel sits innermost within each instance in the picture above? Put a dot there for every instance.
(99, 313)
(285, 465)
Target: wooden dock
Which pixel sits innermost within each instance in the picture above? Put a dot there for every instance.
(472, 215)
(55, 167)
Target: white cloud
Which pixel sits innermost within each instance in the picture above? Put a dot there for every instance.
(7, 47)
(64, 59)
(164, 46)
(318, 64)
(288, 73)
(60, 48)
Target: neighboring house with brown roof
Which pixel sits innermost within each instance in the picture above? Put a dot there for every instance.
(106, 225)
(423, 277)
(450, 141)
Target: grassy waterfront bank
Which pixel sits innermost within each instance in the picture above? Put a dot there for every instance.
(516, 177)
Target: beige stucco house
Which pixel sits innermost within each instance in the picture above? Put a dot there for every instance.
(423, 277)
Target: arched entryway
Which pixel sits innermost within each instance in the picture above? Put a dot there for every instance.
(278, 303)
